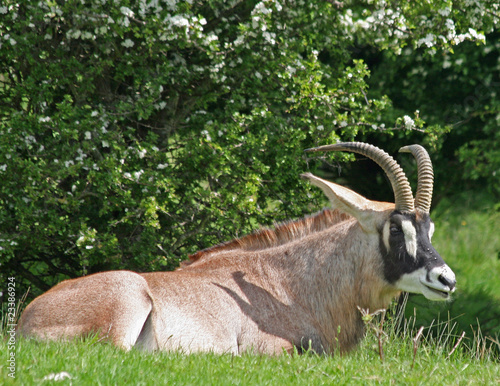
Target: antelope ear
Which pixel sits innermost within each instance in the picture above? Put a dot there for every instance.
(350, 202)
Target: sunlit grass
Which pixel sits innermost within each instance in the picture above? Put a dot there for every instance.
(406, 360)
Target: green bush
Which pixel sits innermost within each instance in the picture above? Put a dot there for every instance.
(134, 132)
(455, 91)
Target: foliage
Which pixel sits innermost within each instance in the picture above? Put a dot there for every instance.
(459, 92)
(134, 132)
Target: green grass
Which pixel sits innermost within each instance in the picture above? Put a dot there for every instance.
(468, 240)
(95, 363)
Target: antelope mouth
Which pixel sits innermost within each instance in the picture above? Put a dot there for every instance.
(443, 293)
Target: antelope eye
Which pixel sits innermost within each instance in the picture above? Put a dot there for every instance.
(395, 230)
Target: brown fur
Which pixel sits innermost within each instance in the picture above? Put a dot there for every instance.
(297, 285)
(281, 234)
(58, 314)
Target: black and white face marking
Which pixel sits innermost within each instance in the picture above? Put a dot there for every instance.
(410, 261)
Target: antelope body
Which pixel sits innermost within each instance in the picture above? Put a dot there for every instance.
(298, 285)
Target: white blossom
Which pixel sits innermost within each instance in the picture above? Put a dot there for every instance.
(239, 40)
(178, 20)
(476, 35)
(408, 122)
(127, 11)
(255, 22)
(429, 40)
(75, 34)
(128, 43)
(87, 35)
(270, 37)
(125, 22)
(261, 8)
(29, 140)
(138, 174)
(445, 11)
(161, 105)
(172, 4)
(206, 135)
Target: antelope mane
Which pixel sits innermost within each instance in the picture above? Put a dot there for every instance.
(279, 235)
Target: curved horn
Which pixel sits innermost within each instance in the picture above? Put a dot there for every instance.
(425, 184)
(400, 185)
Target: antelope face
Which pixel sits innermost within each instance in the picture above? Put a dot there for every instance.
(410, 261)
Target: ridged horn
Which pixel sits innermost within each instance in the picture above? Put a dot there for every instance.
(423, 197)
(403, 196)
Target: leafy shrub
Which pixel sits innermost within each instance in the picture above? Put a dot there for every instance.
(134, 133)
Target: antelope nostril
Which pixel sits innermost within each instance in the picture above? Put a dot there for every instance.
(450, 283)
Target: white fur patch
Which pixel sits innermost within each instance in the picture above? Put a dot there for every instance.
(444, 272)
(431, 231)
(428, 283)
(410, 238)
(386, 234)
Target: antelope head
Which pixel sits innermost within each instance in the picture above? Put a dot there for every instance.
(410, 262)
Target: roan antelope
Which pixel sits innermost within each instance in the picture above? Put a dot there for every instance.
(298, 285)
